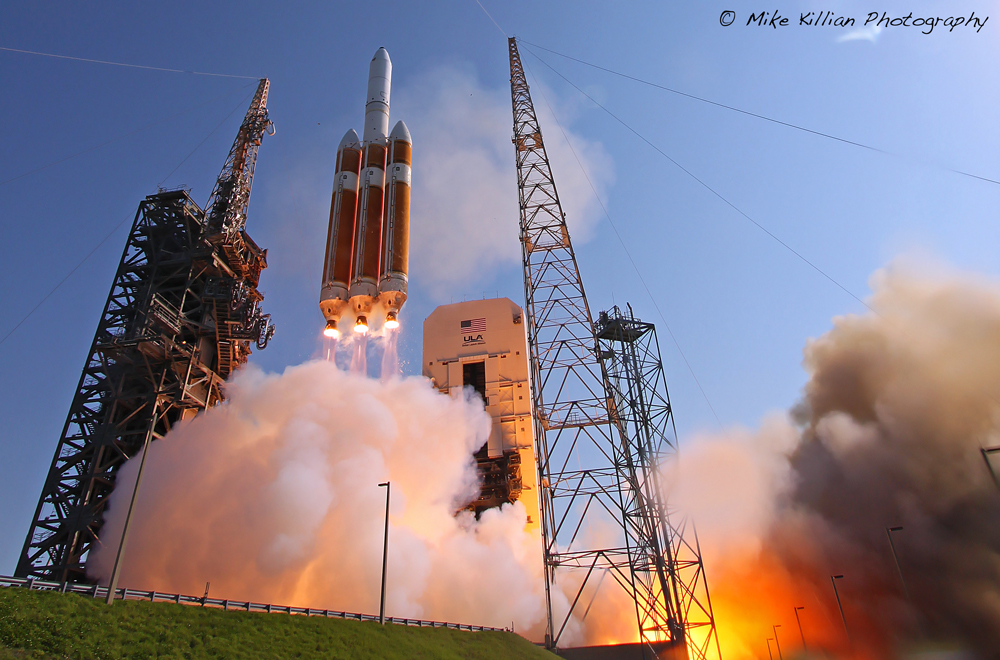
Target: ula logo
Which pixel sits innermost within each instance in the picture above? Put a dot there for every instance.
(468, 338)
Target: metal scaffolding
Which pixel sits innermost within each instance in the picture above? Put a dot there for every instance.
(670, 587)
(182, 313)
(593, 466)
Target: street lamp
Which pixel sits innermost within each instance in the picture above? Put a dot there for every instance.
(833, 581)
(989, 466)
(769, 649)
(385, 554)
(116, 569)
(892, 546)
(776, 643)
(796, 609)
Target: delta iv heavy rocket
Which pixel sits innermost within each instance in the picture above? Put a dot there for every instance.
(367, 245)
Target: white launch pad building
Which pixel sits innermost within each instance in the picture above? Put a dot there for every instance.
(482, 344)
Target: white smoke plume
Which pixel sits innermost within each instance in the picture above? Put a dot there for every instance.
(888, 434)
(464, 218)
(273, 497)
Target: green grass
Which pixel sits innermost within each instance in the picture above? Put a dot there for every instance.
(38, 625)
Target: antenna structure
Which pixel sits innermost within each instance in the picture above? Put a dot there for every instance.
(602, 419)
(181, 315)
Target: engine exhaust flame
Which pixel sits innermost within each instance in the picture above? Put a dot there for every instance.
(887, 435)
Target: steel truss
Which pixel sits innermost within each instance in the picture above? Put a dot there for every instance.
(672, 598)
(182, 313)
(591, 467)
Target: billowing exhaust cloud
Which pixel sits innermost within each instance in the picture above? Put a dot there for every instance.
(273, 497)
(465, 208)
(888, 434)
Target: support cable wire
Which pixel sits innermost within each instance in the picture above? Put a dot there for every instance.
(991, 398)
(758, 116)
(63, 280)
(180, 317)
(116, 228)
(131, 66)
(579, 414)
(121, 137)
(210, 134)
(488, 15)
(711, 189)
(625, 248)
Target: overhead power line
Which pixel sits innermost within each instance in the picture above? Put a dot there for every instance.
(797, 127)
(131, 66)
(210, 134)
(96, 247)
(708, 187)
(490, 16)
(120, 137)
(628, 254)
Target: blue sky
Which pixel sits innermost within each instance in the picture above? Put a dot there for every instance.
(739, 304)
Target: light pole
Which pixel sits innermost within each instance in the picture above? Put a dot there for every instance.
(796, 610)
(833, 581)
(776, 642)
(892, 546)
(116, 569)
(989, 466)
(769, 649)
(385, 554)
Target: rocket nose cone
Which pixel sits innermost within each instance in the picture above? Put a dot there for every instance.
(381, 54)
(350, 139)
(400, 132)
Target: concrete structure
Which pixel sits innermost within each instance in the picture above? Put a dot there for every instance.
(482, 344)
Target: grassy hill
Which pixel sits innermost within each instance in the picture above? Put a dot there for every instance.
(50, 626)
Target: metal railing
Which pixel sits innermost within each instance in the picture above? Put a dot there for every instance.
(97, 591)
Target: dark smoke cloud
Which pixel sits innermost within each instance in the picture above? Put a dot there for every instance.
(895, 414)
(888, 433)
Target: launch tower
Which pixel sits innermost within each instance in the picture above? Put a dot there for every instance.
(602, 422)
(182, 313)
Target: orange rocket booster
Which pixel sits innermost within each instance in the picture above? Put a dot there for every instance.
(396, 228)
(340, 235)
(367, 250)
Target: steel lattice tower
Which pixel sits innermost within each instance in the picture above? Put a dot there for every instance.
(666, 557)
(593, 462)
(182, 313)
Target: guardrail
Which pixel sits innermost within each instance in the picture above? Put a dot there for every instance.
(97, 591)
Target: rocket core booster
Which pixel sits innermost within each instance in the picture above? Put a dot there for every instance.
(367, 248)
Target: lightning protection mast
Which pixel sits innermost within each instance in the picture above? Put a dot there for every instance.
(602, 511)
(182, 313)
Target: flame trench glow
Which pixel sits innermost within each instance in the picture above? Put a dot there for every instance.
(273, 496)
(887, 435)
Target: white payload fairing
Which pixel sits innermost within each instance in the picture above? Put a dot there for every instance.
(367, 247)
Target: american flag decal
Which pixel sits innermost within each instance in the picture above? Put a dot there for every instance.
(473, 325)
